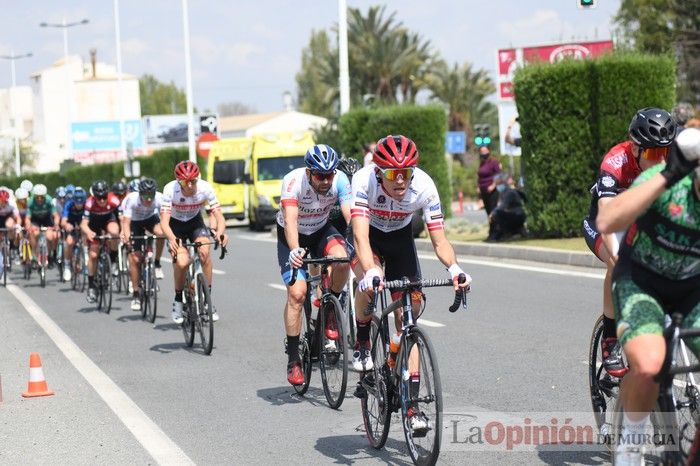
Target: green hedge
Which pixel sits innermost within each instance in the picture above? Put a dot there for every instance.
(426, 125)
(571, 113)
(159, 165)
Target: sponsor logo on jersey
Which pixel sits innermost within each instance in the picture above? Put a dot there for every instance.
(435, 207)
(617, 161)
(608, 181)
(362, 196)
(675, 209)
(435, 217)
(381, 199)
(362, 204)
(182, 199)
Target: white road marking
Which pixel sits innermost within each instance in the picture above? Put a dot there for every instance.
(214, 271)
(150, 436)
(527, 268)
(262, 237)
(277, 286)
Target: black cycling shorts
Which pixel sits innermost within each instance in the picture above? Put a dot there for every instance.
(139, 228)
(98, 223)
(397, 251)
(594, 240)
(43, 221)
(318, 243)
(191, 229)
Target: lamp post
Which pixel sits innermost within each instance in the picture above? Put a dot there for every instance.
(188, 83)
(64, 25)
(343, 68)
(120, 94)
(12, 57)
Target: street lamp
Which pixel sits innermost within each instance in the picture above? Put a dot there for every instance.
(188, 82)
(65, 25)
(12, 57)
(343, 68)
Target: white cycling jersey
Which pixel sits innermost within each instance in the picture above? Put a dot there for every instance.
(386, 213)
(134, 208)
(184, 208)
(8, 210)
(314, 208)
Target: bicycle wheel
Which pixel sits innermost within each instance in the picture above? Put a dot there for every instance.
(423, 446)
(205, 323)
(188, 314)
(333, 351)
(602, 386)
(376, 403)
(124, 269)
(99, 278)
(60, 263)
(305, 347)
(6, 261)
(687, 400)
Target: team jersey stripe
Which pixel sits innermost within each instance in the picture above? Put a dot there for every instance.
(290, 202)
(432, 226)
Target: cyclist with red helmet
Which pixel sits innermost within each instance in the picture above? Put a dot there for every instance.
(9, 213)
(181, 219)
(386, 193)
(651, 132)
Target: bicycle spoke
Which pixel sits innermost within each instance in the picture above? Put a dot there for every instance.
(333, 353)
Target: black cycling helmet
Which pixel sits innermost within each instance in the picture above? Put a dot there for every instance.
(652, 127)
(147, 186)
(349, 166)
(119, 188)
(100, 189)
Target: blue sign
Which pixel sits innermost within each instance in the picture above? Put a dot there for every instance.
(456, 142)
(106, 135)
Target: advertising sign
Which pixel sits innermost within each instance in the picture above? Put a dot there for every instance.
(171, 130)
(100, 141)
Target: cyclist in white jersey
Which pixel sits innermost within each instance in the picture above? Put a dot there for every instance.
(140, 213)
(181, 219)
(308, 195)
(385, 196)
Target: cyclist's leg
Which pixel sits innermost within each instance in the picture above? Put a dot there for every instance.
(68, 248)
(34, 238)
(160, 243)
(332, 243)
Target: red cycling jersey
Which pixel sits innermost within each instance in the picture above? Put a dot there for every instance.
(94, 209)
(618, 170)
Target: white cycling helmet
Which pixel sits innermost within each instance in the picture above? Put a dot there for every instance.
(26, 184)
(21, 193)
(39, 190)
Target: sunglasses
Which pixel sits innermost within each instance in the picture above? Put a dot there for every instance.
(655, 154)
(147, 197)
(101, 197)
(187, 183)
(321, 176)
(393, 174)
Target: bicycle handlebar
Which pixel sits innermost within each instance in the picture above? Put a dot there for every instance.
(405, 284)
(327, 260)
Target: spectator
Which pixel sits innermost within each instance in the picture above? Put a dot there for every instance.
(508, 218)
(512, 135)
(369, 151)
(489, 167)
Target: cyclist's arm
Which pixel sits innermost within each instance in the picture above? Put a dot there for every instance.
(165, 225)
(220, 226)
(291, 229)
(443, 249)
(126, 228)
(84, 227)
(622, 210)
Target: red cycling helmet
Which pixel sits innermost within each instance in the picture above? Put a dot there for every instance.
(186, 170)
(4, 195)
(395, 152)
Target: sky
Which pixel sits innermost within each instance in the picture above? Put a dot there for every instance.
(250, 51)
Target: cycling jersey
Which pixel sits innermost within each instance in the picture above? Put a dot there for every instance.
(9, 209)
(314, 208)
(72, 213)
(93, 209)
(184, 208)
(386, 213)
(42, 210)
(134, 208)
(58, 204)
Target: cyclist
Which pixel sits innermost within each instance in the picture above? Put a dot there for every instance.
(71, 218)
(658, 272)
(27, 185)
(9, 218)
(100, 217)
(41, 213)
(181, 219)
(141, 214)
(119, 189)
(70, 189)
(308, 195)
(651, 132)
(385, 196)
(22, 200)
(134, 185)
(59, 199)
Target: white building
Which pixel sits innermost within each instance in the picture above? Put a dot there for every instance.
(274, 122)
(71, 91)
(16, 103)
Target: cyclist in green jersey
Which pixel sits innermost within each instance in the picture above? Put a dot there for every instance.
(41, 213)
(658, 272)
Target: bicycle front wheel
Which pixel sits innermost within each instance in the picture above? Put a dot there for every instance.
(374, 385)
(205, 323)
(188, 314)
(421, 397)
(305, 348)
(602, 386)
(333, 352)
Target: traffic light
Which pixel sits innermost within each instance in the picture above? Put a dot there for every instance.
(482, 136)
(585, 4)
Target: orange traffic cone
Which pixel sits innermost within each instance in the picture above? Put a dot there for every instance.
(37, 383)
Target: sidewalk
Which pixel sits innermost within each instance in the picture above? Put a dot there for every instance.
(72, 427)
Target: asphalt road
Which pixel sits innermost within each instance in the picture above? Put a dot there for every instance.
(521, 347)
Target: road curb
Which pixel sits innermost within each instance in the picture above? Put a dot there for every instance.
(529, 253)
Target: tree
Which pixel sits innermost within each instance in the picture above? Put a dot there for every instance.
(318, 79)
(158, 98)
(27, 156)
(665, 26)
(234, 108)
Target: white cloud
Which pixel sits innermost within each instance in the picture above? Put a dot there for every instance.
(237, 53)
(540, 27)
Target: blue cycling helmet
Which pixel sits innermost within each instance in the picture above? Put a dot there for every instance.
(70, 188)
(321, 158)
(134, 185)
(79, 195)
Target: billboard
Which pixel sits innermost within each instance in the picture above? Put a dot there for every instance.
(100, 141)
(171, 130)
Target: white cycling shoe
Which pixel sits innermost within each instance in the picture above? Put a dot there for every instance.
(177, 313)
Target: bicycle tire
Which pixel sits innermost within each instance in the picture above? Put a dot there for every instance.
(187, 314)
(376, 404)
(60, 260)
(205, 322)
(74, 267)
(333, 354)
(687, 398)
(43, 257)
(152, 294)
(143, 301)
(305, 348)
(124, 276)
(99, 277)
(603, 387)
(424, 450)
(6, 261)
(108, 285)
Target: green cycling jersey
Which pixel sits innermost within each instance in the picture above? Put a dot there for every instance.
(38, 210)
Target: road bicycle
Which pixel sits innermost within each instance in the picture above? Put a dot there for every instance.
(103, 274)
(324, 338)
(347, 302)
(5, 252)
(386, 389)
(78, 262)
(677, 409)
(25, 254)
(42, 257)
(60, 257)
(122, 279)
(148, 288)
(197, 307)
